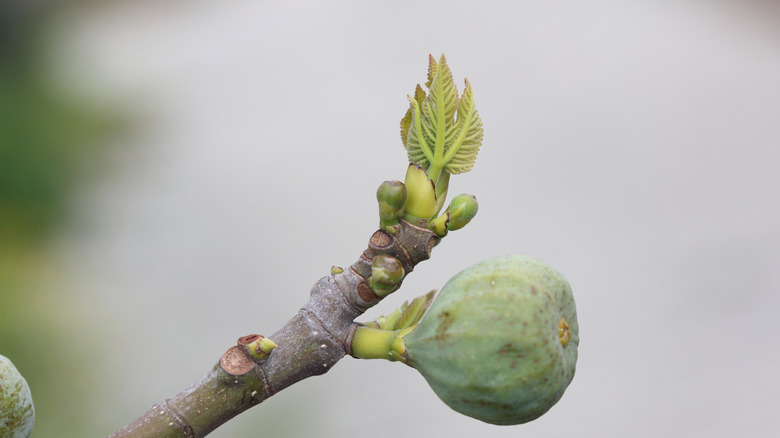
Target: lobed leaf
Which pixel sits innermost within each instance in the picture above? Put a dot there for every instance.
(434, 138)
(406, 122)
(465, 137)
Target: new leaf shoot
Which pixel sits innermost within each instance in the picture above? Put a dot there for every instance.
(441, 131)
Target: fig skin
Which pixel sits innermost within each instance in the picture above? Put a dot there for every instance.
(17, 414)
(499, 343)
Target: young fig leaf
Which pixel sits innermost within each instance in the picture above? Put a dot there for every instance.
(434, 137)
(406, 122)
(467, 133)
(406, 316)
(412, 312)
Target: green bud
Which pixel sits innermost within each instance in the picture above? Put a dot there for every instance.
(462, 210)
(386, 274)
(391, 196)
(261, 347)
(17, 413)
(421, 200)
(499, 343)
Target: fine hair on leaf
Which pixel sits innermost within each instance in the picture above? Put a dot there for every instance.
(442, 132)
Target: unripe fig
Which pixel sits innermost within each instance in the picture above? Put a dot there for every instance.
(499, 343)
(17, 414)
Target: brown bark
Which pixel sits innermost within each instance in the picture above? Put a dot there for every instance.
(317, 337)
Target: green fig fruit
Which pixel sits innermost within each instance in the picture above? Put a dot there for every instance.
(499, 343)
(17, 414)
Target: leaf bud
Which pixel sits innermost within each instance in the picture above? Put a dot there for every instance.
(386, 274)
(391, 196)
(462, 210)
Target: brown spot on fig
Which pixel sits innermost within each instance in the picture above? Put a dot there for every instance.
(446, 322)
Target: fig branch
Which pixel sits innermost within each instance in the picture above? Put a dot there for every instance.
(317, 337)
(323, 330)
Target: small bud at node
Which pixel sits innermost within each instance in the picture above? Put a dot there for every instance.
(386, 274)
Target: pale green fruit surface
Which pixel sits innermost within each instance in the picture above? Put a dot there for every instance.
(492, 345)
(17, 414)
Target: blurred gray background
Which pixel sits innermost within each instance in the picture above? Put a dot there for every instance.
(634, 146)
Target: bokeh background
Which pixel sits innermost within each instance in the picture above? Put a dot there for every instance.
(176, 174)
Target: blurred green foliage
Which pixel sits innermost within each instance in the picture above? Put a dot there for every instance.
(47, 138)
(48, 142)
